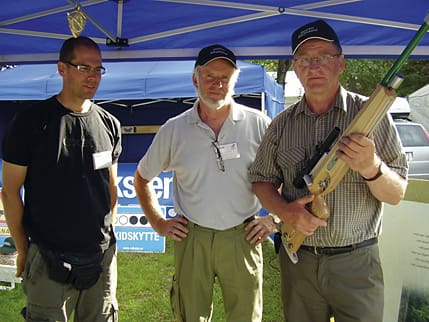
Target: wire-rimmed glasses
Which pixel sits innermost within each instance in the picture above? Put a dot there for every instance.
(306, 61)
(219, 159)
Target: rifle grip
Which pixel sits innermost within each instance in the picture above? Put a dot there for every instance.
(319, 207)
(293, 239)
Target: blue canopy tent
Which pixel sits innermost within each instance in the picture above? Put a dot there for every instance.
(134, 81)
(33, 31)
(140, 94)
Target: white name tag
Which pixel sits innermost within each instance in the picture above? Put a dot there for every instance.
(229, 151)
(102, 159)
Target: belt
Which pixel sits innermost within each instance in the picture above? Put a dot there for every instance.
(338, 250)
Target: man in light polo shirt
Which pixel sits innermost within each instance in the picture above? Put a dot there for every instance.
(210, 148)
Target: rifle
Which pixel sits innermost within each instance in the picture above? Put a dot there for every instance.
(329, 170)
(321, 151)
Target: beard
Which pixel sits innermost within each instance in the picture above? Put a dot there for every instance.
(215, 104)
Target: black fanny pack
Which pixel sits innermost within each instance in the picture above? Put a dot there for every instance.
(82, 271)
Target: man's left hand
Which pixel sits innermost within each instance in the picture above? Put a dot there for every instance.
(259, 229)
(358, 152)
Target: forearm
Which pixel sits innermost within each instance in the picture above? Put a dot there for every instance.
(14, 212)
(270, 198)
(148, 201)
(114, 203)
(113, 188)
(390, 187)
(13, 180)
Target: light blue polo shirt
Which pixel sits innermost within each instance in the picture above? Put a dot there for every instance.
(203, 193)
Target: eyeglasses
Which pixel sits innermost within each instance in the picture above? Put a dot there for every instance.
(306, 61)
(100, 70)
(219, 160)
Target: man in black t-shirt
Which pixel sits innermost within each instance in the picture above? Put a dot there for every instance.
(64, 152)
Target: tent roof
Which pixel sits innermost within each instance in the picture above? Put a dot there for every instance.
(33, 31)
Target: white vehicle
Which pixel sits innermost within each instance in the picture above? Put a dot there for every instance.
(415, 140)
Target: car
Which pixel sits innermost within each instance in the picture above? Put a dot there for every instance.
(415, 140)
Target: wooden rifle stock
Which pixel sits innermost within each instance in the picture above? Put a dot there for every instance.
(330, 170)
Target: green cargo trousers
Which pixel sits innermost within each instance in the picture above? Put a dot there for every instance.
(206, 254)
(48, 300)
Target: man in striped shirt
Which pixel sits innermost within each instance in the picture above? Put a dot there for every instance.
(338, 273)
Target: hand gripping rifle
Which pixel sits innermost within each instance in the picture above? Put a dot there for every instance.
(329, 170)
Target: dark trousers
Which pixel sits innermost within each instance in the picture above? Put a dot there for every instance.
(348, 286)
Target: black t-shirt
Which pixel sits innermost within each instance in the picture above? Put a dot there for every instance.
(66, 190)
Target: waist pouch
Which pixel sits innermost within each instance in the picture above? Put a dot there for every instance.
(82, 271)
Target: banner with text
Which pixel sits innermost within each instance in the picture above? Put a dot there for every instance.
(132, 229)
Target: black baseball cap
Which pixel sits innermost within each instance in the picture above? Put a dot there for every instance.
(318, 29)
(213, 52)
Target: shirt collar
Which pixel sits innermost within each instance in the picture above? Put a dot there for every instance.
(339, 103)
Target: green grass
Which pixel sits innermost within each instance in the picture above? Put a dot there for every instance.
(144, 286)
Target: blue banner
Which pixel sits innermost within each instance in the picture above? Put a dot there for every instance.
(132, 229)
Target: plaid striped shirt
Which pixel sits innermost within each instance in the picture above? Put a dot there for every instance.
(291, 140)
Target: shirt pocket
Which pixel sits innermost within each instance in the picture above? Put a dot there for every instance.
(292, 162)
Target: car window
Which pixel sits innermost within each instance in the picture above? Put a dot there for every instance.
(412, 135)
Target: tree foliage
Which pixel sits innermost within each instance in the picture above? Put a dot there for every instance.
(270, 65)
(416, 73)
(363, 75)
(418, 308)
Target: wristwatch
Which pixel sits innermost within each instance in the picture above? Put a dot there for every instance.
(277, 221)
(378, 175)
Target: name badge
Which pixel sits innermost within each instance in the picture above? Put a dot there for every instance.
(102, 160)
(229, 151)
